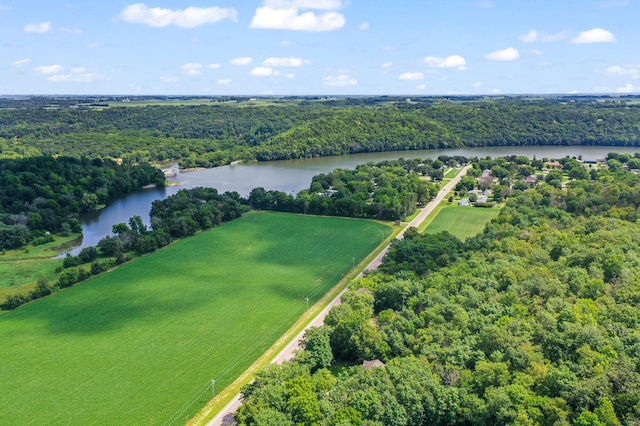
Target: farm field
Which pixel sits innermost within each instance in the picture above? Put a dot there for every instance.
(463, 222)
(139, 345)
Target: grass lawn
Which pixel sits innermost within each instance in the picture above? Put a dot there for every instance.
(20, 269)
(139, 345)
(462, 222)
(451, 173)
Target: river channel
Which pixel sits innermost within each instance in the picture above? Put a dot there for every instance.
(292, 176)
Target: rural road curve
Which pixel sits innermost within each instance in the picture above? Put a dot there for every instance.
(225, 417)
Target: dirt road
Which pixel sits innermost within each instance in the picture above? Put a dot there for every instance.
(225, 417)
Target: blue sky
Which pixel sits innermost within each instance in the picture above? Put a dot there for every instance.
(319, 47)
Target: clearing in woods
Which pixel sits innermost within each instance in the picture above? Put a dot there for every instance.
(463, 222)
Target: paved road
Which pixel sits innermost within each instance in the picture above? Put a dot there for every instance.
(424, 213)
(226, 415)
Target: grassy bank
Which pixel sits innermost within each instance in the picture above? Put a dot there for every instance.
(140, 344)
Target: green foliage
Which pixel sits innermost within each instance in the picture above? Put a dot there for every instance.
(533, 321)
(213, 135)
(316, 343)
(43, 195)
(388, 190)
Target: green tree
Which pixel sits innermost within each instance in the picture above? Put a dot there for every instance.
(317, 343)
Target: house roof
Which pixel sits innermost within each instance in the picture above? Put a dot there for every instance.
(373, 363)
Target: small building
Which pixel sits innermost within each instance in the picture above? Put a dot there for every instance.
(464, 202)
(368, 365)
(398, 222)
(482, 199)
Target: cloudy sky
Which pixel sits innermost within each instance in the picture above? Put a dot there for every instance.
(309, 47)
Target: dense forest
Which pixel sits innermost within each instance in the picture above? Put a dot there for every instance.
(217, 134)
(534, 321)
(40, 196)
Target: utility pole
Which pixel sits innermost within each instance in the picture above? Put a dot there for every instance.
(213, 387)
(307, 299)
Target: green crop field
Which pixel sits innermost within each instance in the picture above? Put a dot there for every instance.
(139, 344)
(462, 222)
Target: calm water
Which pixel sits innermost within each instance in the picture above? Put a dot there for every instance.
(292, 176)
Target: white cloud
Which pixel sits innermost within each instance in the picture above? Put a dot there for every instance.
(50, 69)
(43, 27)
(411, 76)
(596, 35)
(364, 26)
(190, 17)
(496, 91)
(225, 81)
(453, 61)
(73, 31)
(213, 66)
(290, 76)
(169, 79)
(529, 37)
(533, 36)
(284, 62)
(286, 15)
(421, 86)
(387, 65)
(263, 72)
(80, 77)
(339, 81)
(508, 54)
(192, 69)
(241, 61)
(477, 84)
(630, 70)
(628, 88)
(21, 62)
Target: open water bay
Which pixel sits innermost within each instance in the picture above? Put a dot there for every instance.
(294, 175)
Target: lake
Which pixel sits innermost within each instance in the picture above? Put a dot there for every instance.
(292, 176)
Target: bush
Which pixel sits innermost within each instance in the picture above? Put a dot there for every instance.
(88, 254)
(42, 240)
(13, 301)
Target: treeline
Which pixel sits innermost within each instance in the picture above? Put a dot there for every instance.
(534, 321)
(179, 215)
(44, 195)
(388, 190)
(217, 134)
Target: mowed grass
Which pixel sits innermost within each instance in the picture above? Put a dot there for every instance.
(463, 222)
(139, 345)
